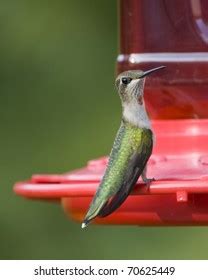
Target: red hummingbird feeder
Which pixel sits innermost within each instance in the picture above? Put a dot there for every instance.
(155, 33)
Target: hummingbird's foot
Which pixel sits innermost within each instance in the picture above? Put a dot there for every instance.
(147, 181)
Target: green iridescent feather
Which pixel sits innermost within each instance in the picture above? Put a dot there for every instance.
(130, 153)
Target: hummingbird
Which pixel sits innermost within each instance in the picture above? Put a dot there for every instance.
(131, 149)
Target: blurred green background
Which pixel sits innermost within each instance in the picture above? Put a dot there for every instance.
(58, 109)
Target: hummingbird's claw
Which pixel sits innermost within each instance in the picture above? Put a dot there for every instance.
(148, 181)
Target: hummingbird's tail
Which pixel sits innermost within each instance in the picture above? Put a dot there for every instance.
(93, 211)
(85, 223)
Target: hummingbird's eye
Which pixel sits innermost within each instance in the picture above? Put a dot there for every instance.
(126, 80)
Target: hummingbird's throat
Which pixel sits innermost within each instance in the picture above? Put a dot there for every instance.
(140, 100)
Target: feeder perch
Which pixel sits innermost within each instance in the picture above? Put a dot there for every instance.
(154, 33)
(179, 196)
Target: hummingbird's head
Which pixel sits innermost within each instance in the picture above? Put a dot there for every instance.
(130, 85)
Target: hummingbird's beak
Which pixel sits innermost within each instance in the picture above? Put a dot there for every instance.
(151, 71)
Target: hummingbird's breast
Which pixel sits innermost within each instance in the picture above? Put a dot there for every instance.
(128, 141)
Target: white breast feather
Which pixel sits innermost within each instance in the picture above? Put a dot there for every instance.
(136, 115)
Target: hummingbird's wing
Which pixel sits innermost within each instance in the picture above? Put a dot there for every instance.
(134, 169)
(130, 153)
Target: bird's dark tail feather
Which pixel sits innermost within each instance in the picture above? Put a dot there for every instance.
(113, 204)
(92, 213)
(120, 196)
(85, 223)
